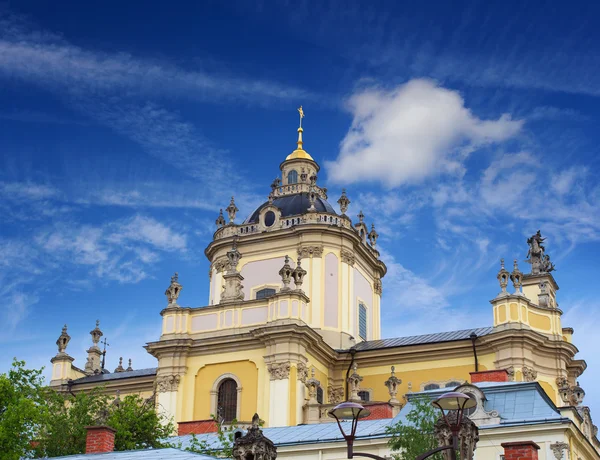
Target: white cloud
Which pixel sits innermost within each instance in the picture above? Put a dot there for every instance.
(413, 132)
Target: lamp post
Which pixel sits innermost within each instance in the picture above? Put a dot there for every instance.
(452, 401)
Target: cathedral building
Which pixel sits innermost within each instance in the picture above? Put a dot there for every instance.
(292, 328)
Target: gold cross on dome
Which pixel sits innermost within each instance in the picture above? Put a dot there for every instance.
(301, 112)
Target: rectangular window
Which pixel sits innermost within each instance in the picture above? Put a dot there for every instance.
(362, 321)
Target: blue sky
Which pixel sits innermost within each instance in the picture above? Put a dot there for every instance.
(460, 128)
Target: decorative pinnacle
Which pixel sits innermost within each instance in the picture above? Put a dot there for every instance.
(231, 210)
(300, 130)
(502, 264)
(361, 216)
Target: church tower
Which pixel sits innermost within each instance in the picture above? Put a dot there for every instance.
(343, 269)
(292, 282)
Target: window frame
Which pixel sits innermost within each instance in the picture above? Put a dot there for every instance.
(266, 288)
(358, 324)
(214, 394)
(295, 176)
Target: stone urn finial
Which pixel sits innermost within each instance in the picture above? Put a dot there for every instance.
(516, 277)
(173, 290)
(220, 222)
(286, 274)
(343, 201)
(298, 274)
(63, 340)
(231, 210)
(392, 384)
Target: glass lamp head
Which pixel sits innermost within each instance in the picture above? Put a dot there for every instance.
(349, 411)
(454, 401)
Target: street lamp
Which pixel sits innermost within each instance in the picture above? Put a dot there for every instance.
(452, 401)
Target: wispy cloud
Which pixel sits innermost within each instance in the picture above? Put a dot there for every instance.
(46, 59)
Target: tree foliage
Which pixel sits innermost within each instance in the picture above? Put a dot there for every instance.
(416, 436)
(36, 421)
(22, 410)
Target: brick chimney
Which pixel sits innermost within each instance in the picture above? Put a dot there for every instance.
(496, 375)
(99, 439)
(520, 450)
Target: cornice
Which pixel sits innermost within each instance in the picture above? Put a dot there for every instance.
(284, 233)
(277, 332)
(528, 301)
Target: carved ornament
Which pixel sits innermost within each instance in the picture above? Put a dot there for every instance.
(558, 448)
(378, 286)
(529, 374)
(220, 264)
(166, 383)
(335, 395)
(348, 257)
(468, 435)
(302, 372)
(310, 251)
(279, 371)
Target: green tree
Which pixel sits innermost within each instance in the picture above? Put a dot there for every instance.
(22, 410)
(137, 423)
(416, 436)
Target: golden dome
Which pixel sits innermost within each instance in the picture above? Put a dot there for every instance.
(299, 153)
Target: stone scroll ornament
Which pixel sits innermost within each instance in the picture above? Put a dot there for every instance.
(166, 383)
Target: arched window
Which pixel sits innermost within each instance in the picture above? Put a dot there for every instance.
(452, 384)
(472, 409)
(264, 293)
(431, 386)
(293, 177)
(364, 396)
(227, 400)
(320, 395)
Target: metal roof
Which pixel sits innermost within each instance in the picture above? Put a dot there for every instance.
(292, 205)
(304, 434)
(517, 403)
(145, 454)
(116, 376)
(422, 339)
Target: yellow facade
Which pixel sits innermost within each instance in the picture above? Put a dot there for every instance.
(274, 331)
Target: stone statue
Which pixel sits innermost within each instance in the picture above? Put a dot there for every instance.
(540, 262)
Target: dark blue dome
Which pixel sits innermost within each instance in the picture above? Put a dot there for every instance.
(292, 205)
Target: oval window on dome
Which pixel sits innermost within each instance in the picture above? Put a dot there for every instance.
(269, 218)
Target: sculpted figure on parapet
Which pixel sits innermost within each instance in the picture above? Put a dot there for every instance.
(536, 256)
